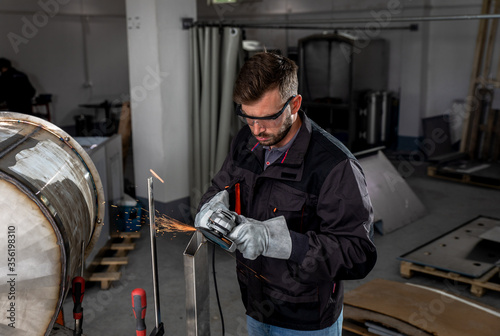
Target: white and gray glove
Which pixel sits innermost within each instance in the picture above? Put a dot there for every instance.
(219, 201)
(269, 238)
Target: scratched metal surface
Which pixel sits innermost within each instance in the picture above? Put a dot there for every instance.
(52, 194)
(462, 250)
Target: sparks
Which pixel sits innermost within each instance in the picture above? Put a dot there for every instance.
(168, 224)
(156, 175)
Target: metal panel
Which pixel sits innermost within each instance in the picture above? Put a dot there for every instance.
(462, 250)
(394, 202)
(493, 234)
(197, 290)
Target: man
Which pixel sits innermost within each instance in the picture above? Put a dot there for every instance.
(306, 217)
(15, 88)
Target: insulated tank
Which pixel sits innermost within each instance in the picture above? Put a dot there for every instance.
(51, 205)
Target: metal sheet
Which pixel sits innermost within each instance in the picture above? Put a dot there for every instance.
(462, 250)
(492, 234)
(197, 286)
(394, 202)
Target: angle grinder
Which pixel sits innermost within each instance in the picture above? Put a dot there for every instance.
(220, 223)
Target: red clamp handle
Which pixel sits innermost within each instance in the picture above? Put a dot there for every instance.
(139, 306)
(78, 290)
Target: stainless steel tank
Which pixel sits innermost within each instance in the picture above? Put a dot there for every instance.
(51, 202)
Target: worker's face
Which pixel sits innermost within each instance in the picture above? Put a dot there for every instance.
(269, 105)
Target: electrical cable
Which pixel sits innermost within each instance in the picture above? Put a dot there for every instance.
(217, 291)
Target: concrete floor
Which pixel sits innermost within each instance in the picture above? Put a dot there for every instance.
(108, 312)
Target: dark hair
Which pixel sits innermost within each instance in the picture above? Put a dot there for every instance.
(263, 72)
(5, 63)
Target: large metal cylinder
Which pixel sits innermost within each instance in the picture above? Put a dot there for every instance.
(51, 202)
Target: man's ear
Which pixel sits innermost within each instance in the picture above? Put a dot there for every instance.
(296, 103)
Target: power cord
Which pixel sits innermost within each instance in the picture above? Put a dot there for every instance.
(217, 291)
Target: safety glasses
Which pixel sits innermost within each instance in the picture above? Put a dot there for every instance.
(267, 121)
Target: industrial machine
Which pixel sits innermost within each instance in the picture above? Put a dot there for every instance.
(51, 205)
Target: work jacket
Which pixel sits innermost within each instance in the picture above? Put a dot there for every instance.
(319, 187)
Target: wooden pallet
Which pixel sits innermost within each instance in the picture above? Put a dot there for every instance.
(454, 176)
(112, 256)
(478, 285)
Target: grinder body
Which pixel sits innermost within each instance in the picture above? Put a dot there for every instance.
(219, 225)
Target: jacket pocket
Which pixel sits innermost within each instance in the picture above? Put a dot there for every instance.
(307, 297)
(290, 203)
(238, 194)
(297, 307)
(283, 286)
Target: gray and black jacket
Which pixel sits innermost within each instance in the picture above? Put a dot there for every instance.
(319, 187)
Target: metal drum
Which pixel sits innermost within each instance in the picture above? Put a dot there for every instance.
(51, 205)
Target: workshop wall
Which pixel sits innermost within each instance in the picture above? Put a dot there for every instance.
(159, 66)
(430, 68)
(45, 39)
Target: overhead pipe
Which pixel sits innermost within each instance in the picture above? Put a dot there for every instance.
(372, 19)
(412, 27)
(301, 24)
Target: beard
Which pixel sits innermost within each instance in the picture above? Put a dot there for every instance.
(273, 139)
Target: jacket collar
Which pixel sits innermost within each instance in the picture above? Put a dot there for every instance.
(295, 155)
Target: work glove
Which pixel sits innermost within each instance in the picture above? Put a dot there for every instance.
(269, 238)
(219, 201)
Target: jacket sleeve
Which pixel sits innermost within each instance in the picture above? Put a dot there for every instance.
(343, 248)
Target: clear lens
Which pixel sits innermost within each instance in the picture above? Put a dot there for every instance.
(263, 123)
(267, 122)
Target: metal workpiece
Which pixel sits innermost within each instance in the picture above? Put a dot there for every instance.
(197, 286)
(154, 261)
(52, 201)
